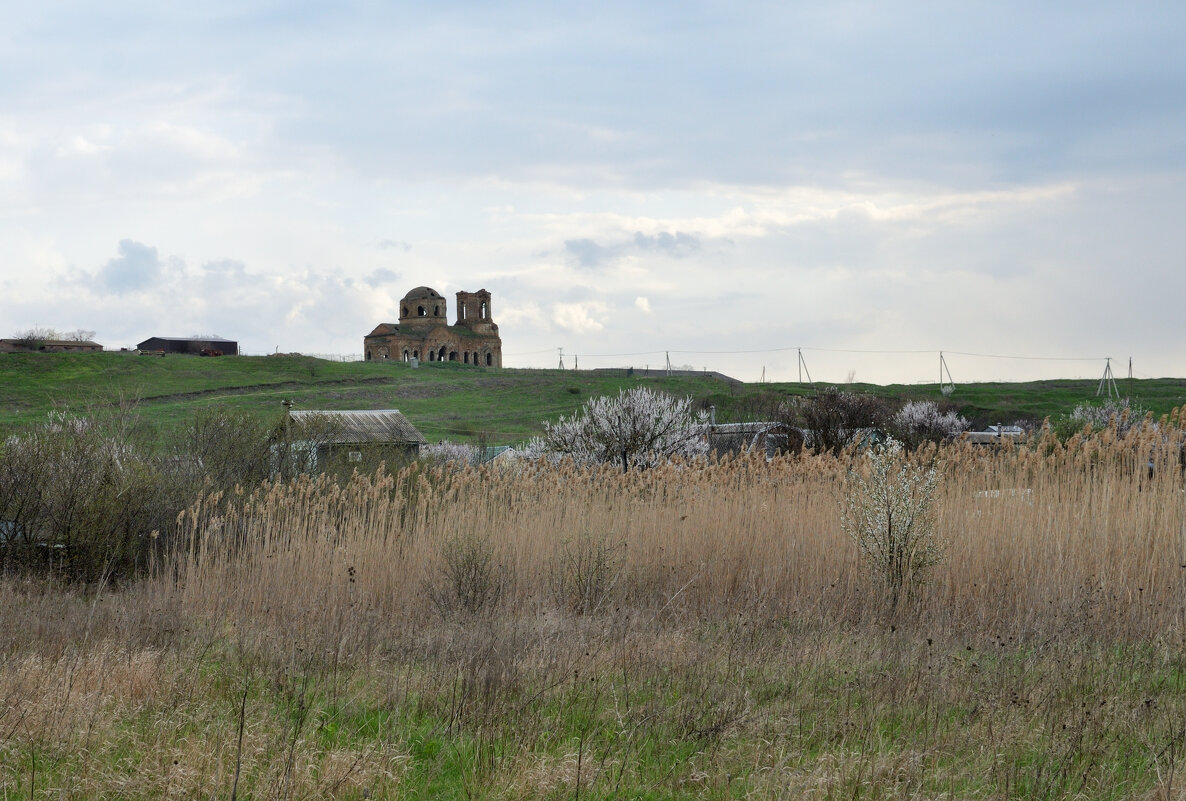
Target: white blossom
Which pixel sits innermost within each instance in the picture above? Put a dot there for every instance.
(889, 513)
(453, 454)
(921, 420)
(637, 428)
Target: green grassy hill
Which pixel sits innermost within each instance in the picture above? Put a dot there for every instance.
(447, 400)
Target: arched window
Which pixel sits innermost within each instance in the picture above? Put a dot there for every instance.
(489, 359)
(441, 355)
(368, 355)
(415, 354)
(405, 311)
(467, 357)
(407, 356)
(482, 311)
(420, 312)
(436, 311)
(461, 311)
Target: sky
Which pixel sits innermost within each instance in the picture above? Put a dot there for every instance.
(755, 188)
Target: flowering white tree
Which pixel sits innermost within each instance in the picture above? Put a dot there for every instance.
(639, 427)
(890, 515)
(921, 420)
(1121, 413)
(452, 454)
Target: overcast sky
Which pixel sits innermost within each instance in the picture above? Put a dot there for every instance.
(727, 182)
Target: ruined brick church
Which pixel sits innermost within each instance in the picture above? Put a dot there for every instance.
(424, 333)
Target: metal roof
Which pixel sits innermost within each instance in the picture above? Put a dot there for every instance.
(374, 425)
(189, 339)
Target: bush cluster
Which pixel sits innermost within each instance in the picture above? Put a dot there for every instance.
(90, 497)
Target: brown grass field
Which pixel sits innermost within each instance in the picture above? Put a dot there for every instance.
(692, 631)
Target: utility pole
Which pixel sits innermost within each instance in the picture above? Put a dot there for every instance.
(561, 358)
(803, 369)
(949, 387)
(1108, 382)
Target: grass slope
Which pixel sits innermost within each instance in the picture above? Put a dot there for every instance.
(453, 401)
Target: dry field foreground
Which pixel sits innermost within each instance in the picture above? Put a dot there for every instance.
(689, 631)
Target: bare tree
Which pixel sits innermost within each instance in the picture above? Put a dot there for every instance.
(832, 418)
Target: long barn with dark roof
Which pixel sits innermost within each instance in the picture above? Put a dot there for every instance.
(423, 331)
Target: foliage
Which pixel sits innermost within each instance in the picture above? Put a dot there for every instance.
(639, 428)
(1120, 414)
(832, 418)
(227, 447)
(889, 513)
(450, 454)
(920, 421)
(81, 497)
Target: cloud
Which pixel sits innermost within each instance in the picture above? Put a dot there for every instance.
(226, 269)
(642, 304)
(136, 267)
(382, 276)
(391, 244)
(579, 318)
(589, 253)
(677, 245)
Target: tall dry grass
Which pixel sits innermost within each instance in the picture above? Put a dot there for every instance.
(691, 630)
(1042, 541)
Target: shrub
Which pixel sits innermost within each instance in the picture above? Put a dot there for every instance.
(639, 428)
(1122, 414)
(889, 513)
(923, 421)
(472, 580)
(450, 454)
(832, 418)
(80, 497)
(585, 572)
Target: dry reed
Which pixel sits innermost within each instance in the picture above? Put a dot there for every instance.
(722, 626)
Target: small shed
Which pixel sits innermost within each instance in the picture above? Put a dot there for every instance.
(335, 440)
(195, 346)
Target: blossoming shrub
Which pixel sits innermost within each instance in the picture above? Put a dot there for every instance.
(922, 421)
(637, 428)
(889, 513)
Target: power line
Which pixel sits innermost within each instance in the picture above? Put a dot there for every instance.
(881, 352)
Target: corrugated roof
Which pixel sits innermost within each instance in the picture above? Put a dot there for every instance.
(372, 425)
(190, 339)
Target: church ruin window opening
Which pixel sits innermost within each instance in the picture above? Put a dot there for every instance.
(482, 311)
(489, 360)
(420, 312)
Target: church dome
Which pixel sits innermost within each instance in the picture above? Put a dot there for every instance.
(422, 292)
